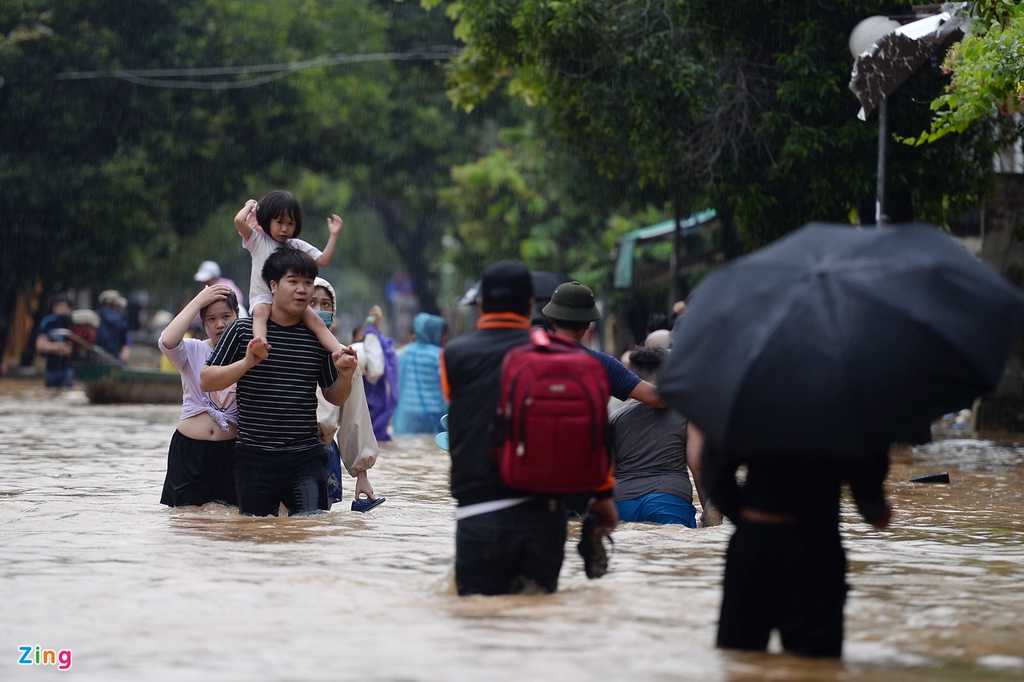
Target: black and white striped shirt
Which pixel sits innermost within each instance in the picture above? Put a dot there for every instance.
(277, 398)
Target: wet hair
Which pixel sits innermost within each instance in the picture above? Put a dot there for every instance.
(645, 360)
(277, 204)
(230, 299)
(288, 259)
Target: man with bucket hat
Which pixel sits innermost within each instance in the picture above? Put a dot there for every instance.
(572, 309)
(507, 541)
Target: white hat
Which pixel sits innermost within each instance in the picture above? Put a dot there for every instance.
(207, 270)
(86, 317)
(161, 318)
(112, 297)
(321, 282)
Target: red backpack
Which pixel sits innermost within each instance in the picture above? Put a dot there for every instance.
(552, 420)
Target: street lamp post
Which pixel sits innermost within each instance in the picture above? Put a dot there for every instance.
(861, 38)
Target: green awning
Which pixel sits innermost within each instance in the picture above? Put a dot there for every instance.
(658, 232)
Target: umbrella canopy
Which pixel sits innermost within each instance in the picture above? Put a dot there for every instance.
(894, 57)
(544, 284)
(832, 340)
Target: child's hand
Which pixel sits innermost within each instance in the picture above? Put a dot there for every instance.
(345, 363)
(246, 217)
(334, 224)
(250, 219)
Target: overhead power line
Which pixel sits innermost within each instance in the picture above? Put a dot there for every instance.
(169, 78)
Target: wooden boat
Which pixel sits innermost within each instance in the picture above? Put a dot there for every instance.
(107, 383)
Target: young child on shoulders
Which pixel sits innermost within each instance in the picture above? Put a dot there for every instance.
(265, 227)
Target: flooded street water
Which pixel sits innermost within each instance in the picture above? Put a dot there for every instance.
(91, 563)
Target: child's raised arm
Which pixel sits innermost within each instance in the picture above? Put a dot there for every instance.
(334, 224)
(245, 220)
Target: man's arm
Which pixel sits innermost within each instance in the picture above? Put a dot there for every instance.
(646, 392)
(44, 344)
(694, 445)
(867, 486)
(219, 377)
(606, 510)
(719, 478)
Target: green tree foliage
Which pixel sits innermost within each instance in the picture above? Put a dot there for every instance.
(742, 106)
(104, 171)
(987, 72)
(117, 167)
(531, 199)
(400, 161)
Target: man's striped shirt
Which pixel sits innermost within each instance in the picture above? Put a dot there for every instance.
(277, 398)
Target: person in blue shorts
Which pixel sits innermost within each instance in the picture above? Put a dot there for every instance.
(652, 452)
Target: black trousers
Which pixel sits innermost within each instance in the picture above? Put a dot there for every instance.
(511, 550)
(265, 480)
(785, 578)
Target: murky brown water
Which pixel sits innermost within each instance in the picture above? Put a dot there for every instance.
(91, 563)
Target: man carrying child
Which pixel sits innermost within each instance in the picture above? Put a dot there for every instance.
(279, 458)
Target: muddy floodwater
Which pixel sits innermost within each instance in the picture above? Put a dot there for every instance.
(94, 569)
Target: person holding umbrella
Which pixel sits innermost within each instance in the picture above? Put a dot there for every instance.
(854, 334)
(788, 509)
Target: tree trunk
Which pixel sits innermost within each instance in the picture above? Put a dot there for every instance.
(411, 248)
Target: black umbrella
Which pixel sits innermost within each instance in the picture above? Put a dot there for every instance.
(832, 340)
(544, 284)
(894, 57)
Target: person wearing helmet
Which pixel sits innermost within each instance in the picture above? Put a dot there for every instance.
(572, 309)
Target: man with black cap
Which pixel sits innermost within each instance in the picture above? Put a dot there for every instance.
(571, 310)
(507, 541)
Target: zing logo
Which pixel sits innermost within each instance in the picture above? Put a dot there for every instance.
(38, 656)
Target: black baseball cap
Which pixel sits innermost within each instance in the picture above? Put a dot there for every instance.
(506, 285)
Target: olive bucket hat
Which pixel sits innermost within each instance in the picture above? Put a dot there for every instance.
(572, 302)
